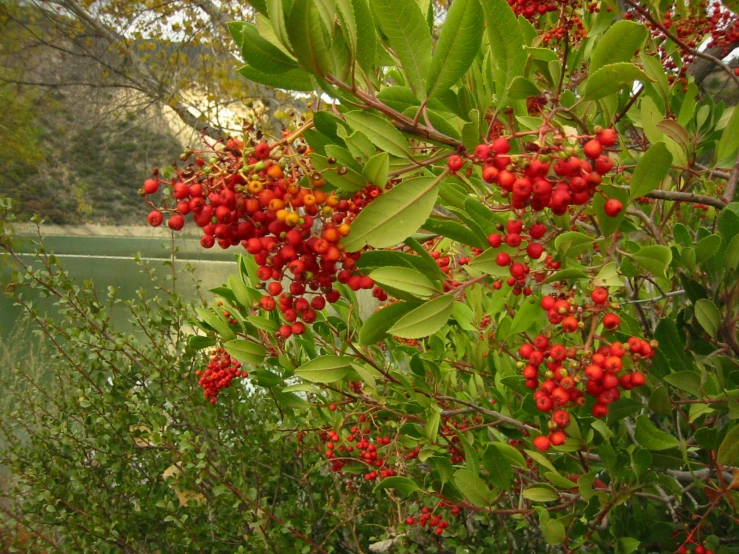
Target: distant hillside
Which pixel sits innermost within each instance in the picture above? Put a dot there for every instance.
(83, 167)
(78, 137)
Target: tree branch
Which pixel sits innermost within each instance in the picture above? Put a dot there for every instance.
(676, 196)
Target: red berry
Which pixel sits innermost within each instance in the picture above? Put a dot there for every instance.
(155, 218)
(542, 443)
(607, 137)
(503, 259)
(455, 163)
(613, 207)
(599, 295)
(637, 379)
(495, 240)
(176, 222)
(151, 186)
(593, 149)
(569, 324)
(611, 321)
(534, 250)
(557, 438)
(501, 146)
(603, 165)
(537, 230)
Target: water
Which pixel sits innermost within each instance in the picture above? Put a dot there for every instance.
(109, 261)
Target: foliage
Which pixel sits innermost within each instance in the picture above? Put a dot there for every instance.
(107, 444)
(546, 211)
(557, 361)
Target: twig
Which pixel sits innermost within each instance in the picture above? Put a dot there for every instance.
(689, 197)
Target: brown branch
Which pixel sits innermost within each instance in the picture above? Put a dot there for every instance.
(675, 196)
(730, 191)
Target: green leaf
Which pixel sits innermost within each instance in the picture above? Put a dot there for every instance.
(366, 34)
(376, 169)
(486, 262)
(515, 457)
(350, 181)
(240, 290)
(540, 459)
(572, 243)
(472, 487)
(325, 369)
(729, 142)
(506, 42)
(443, 466)
(707, 247)
(403, 485)
(276, 14)
(659, 401)
(612, 78)
(566, 275)
(654, 258)
(216, 322)
(431, 429)
(394, 215)
(348, 24)
(728, 221)
(196, 342)
(608, 277)
(380, 131)
(618, 44)
(246, 351)
(627, 545)
(540, 494)
(459, 42)
(405, 279)
(708, 316)
(621, 409)
(424, 320)
(498, 466)
(308, 37)
(526, 316)
(672, 346)
(552, 529)
(463, 315)
(260, 53)
(728, 452)
(453, 230)
(731, 256)
(471, 131)
(521, 89)
(651, 169)
(405, 27)
(263, 323)
(295, 79)
(652, 438)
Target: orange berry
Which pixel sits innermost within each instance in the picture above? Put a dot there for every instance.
(275, 171)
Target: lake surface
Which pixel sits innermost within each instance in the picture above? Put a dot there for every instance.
(109, 261)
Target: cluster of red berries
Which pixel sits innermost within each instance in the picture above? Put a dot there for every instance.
(699, 549)
(562, 311)
(562, 385)
(342, 452)
(526, 178)
(519, 244)
(253, 196)
(691, 22)
(221, 370)
(434, 520)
